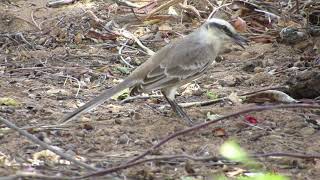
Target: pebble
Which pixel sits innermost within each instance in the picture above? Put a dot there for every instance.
(123, 139)
(307, 131)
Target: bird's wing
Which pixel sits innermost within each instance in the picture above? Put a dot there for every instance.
(181, 61)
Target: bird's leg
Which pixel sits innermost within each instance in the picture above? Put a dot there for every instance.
(177, 109)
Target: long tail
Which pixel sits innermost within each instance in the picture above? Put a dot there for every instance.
(98, 100)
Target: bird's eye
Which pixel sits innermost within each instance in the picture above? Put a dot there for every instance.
(226, 30)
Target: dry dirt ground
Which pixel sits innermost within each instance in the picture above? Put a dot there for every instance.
(35, 75)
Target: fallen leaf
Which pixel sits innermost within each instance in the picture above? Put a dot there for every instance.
(270, 96)
(114, 108)
(219, 132)
(212, 116)
(54, 92)
(212, 95)
(235, 99)
(240, 25)
(236, 172)
(123, 70)
(9, 102)
(165, 27)
(45, 155)
(121, 95)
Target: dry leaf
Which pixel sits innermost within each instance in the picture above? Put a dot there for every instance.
(236, 172)
(270, 96)
(165, 27)
(114, 108)
(46, 155)
(240, 25)
(219, 132)
(235, 99)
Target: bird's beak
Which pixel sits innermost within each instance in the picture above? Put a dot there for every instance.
(240, 40)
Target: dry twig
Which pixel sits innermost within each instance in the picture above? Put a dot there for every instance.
(163, 6)
(122, 58)
(135, 161)
(35, 140)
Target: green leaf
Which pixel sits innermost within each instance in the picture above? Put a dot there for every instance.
(121, 95)
(123, 70)
(267, 176)
(212, 95)
(9, 102)
(234, 152)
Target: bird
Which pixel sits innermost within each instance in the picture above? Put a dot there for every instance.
(174, 65)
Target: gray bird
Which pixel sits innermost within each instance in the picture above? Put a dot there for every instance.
(173, 66)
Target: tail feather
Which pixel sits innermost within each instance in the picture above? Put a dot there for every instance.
(98, 100)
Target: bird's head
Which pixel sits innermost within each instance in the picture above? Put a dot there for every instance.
(224, 30)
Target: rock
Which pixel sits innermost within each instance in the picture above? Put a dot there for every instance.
(123, 139)
(250, 65)
(307, 131)
(228, 81)
(305, 84)
(7, 109)
(258, 69)
(58, 92)
(259, 79)
(245, 55)
(298, 64)
(268, 62)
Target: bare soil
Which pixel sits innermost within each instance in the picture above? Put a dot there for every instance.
(35, 75)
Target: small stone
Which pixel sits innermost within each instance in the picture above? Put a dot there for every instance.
(245, 55)
(268, 62)
(136, 116)
(249, 66)
(7, 109)
(117, 121)
(228, 81)
(307, 131)
(258, 69)
(298, 64)
(123, 139)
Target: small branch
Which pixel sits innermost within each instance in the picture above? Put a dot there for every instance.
(34, 21)
(129, 35)
(128, 99)
(184, 105)
(27, 175)
(114, 169)
(78, 82)
(163, 6)
(135, 161)
(216, 9)
(281, 154)
(120, 54)
(202, 103)
(34, 139)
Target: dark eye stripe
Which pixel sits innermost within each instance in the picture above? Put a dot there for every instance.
(224, 28)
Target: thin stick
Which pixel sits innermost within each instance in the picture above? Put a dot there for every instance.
(129, 35)
(120, 54)
(139, 97)
(34, 21)
(216, 9)
(46, 146)
(162, 6)
(294, 155)
(78, 82)
(135, 161)
(202, 103)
